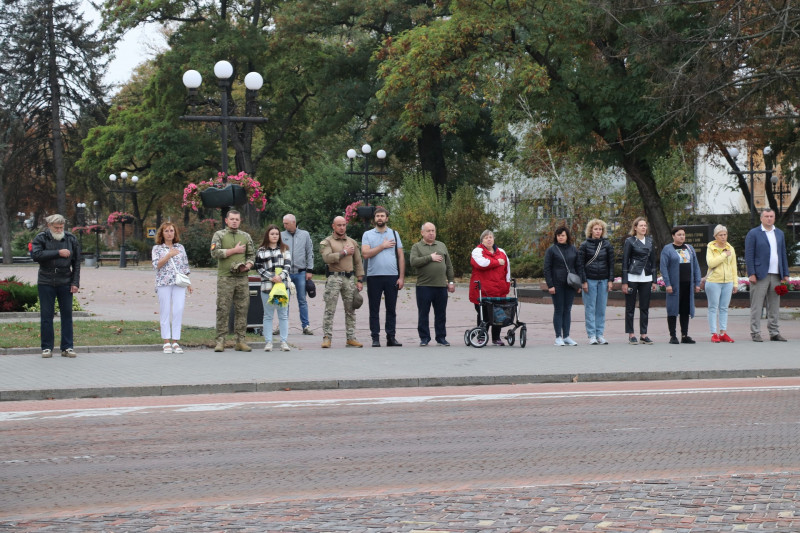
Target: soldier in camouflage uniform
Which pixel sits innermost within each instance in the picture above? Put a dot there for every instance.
(345, 276)
(235, 253)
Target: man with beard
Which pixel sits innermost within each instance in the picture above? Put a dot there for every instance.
(59, 256)
(385, 275)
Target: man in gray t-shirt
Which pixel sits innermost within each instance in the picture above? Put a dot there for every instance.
(385, 275)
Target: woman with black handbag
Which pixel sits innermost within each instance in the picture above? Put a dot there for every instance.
(172, 270)
(562, 273)
(638, 278)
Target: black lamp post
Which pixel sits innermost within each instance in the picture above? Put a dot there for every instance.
(734, 153)
(367, 211)
(124, 189)
(223, 70)
(96, 215)
(80, 217)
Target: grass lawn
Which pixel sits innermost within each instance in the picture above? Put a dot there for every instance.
(107, 333)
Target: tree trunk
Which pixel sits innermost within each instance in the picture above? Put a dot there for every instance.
(431, 154)
(56, 137)
(5, 225)
(642, 175)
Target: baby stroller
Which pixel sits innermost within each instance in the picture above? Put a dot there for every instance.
(502, 312)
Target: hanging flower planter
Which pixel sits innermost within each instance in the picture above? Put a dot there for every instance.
(97, 228)
(238, 190)
(120, 217)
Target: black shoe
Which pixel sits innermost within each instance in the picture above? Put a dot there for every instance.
(391, 341)
(673, 340)
(423, 343)
(645, 340)
(376, 343)
(443, 343)
(777, 338)
(632, 340)
(686, 339)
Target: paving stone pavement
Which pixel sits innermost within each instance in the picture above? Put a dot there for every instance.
(756, 502)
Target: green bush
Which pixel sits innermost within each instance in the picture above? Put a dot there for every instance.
(528, 266)
(464, 221)
(20, 240)
(16, 295)
(35, 307)
(196, 239)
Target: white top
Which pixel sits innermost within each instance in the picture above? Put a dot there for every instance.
(773, 250)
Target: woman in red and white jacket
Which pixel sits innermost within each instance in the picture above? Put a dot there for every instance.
(490, 266)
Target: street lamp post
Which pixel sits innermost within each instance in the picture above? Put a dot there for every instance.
(124, 189)
(80, 216)
(223, 70)
(96, 215)
(734, 153)
(366, 211)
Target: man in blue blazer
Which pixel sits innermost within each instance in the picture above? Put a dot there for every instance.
(767, 266)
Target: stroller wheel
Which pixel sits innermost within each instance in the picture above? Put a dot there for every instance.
(478, 337)
(510, 338)
(523, 336)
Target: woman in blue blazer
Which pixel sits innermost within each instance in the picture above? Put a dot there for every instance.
(681, 274)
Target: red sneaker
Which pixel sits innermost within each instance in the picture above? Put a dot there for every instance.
(725, 338)
(715, 338)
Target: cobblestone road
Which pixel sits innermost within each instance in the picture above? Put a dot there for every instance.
(699, 459)
(758, 502)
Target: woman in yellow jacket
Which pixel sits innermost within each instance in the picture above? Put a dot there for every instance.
(722, 281)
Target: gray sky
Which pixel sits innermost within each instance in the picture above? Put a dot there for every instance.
(136, 46)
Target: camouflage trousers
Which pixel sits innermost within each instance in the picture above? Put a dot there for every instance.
(232, 290)
(334, 286)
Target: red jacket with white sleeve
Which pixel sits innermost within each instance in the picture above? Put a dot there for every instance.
(495, 278)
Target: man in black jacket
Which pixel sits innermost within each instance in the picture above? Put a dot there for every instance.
(58, 253)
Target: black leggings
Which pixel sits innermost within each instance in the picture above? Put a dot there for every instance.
(643, 289)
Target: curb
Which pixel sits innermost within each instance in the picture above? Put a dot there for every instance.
(372, 383)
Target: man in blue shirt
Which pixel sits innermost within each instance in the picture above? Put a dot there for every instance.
(385, 274)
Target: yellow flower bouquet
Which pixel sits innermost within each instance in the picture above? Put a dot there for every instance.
(278, 295)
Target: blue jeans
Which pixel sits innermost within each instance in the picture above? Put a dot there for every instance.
(47, 301)
(719, 296)
(562, 309)
(269, 313)
(299, 281)
(594, 305)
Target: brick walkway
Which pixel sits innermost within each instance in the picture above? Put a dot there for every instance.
(736, 503)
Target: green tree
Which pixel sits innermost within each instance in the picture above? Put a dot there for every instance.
(60, 61)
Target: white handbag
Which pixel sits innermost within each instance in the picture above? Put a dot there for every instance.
(181, 279)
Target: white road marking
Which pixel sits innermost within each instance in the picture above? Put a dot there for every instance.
(196, 408)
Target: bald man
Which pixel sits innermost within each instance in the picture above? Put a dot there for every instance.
(345, 276)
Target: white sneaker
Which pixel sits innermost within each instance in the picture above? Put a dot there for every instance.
(167, 347)
(268, 347)
(601, 340)
(559, 342)
(176, 348)
(285, 347)
(592, 340)
(569, 342)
